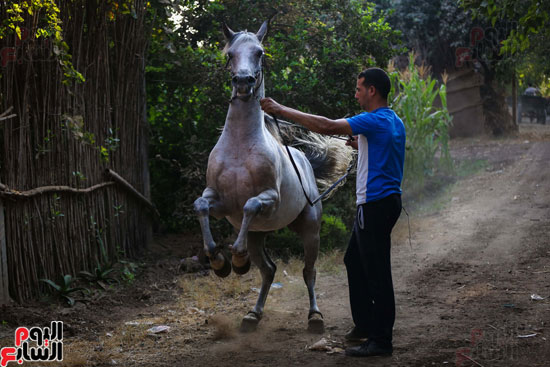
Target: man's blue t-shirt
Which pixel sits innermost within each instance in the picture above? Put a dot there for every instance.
(381, 139)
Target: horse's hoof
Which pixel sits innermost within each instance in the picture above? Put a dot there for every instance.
(315, 323)
(241, 269)
(250, 322)
(225, 270)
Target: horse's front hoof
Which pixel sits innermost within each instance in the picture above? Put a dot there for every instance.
(225, 269)
(250, 322)
(237, 262)
(315, 323)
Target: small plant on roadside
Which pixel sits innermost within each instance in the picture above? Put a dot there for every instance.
(101, 275)
(129, 271)
(64, 290)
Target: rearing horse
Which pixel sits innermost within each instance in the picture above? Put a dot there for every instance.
(251, 181)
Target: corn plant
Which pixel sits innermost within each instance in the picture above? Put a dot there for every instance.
(412, 96)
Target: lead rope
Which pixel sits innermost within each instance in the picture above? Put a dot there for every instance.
(409, 223)
(294, 165)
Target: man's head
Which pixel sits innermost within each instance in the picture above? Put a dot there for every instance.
(373, 87)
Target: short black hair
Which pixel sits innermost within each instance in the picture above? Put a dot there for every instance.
(378, 79)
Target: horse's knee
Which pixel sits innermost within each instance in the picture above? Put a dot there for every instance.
(253, 206)
(201, 206)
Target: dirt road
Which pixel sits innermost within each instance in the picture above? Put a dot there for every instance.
(479, 250)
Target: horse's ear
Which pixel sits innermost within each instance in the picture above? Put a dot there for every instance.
(263, 30)
(227, 32)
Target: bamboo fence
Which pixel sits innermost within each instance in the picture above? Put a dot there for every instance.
(61, 201)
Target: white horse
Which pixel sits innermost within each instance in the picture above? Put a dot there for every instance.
(251, 181)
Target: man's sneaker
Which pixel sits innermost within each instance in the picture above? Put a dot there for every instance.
(355, 335)
(369, 349)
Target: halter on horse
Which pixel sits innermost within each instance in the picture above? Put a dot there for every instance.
(252, 183)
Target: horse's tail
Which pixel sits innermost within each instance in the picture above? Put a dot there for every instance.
(329, 158)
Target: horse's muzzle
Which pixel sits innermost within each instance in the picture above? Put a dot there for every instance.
(243, 85)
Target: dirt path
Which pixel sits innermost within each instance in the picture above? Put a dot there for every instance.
(463, 290)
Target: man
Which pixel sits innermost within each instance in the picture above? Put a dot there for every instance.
(381, 144)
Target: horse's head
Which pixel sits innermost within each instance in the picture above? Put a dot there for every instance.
(245, 55)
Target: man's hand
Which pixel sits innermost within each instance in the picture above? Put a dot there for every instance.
(270, 106)
(352, 142)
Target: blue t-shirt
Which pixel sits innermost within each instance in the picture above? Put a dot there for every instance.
(381, 145)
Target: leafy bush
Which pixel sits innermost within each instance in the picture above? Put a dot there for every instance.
(413, 98)
(285, 243)
(334, 233)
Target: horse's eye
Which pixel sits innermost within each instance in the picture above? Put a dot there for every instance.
(259, 53)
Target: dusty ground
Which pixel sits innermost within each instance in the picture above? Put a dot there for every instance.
(480, 249)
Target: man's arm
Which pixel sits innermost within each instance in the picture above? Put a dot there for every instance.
(318, 124)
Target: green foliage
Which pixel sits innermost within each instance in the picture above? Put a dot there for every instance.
(333, 234)
(433, 28)
(531, 17)
(129, 270)
(101, 274)
(64, 290)
(313, 65)
(413, 98)
(55, 209)
(527, 43)
(46, 13)
(284, 243)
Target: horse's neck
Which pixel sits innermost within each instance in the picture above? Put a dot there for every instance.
(245, 122)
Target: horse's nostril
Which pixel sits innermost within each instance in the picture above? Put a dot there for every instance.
(251, 80)
(235, 79)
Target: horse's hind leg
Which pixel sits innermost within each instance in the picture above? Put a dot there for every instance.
(267, 268)
(307, 226)
(208, 204)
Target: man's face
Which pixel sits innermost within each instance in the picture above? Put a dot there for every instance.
(363, 94)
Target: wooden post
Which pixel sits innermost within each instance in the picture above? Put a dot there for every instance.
(4, 284)
(514, 99)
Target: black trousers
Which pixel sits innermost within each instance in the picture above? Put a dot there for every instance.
(368, 265)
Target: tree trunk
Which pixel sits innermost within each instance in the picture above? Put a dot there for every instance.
(497, 118)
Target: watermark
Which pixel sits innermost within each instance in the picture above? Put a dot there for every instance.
(41, 50)
(494, 344)
(48, 341)
(483, 41)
